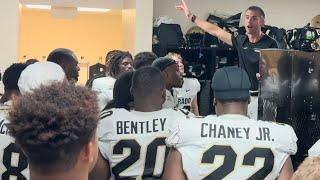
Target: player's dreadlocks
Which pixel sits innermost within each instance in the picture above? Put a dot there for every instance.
(53, 123)
(109, 56)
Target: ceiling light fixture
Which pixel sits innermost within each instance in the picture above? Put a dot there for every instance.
(32, 6)
(85, 9)
(82, 9)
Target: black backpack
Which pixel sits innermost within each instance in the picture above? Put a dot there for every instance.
(230, 24)
(304, 39)
(168, 36)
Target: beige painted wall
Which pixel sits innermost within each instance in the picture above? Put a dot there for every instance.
(8, 34)
(90, 36)
(129, 29)
(137, 18)
(144, 18)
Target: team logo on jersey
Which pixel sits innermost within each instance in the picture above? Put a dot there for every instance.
(184, 100)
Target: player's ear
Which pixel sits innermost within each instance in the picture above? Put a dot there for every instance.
(163, 95)
(165, 74)
(131, 91)
(262, 22)
(90, 151)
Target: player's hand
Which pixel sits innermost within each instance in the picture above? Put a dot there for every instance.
(258, 76)
(184, 7)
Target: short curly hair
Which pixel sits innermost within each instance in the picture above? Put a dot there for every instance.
(143, 59)
(53, 123)
(60, 56)
(146, 82)
(12, 74)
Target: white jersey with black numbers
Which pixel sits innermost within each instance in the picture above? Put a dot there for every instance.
(232, 147)
(14, 163)
(134, 142)
(187, 93)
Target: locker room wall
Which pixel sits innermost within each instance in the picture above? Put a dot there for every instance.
(287, 14)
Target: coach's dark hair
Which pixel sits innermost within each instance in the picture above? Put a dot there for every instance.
(146, 81)
(257, 8)
(114, 61)
(61, 55)
(121, 92)
(12, 74)
(53, 123)
(143, 59)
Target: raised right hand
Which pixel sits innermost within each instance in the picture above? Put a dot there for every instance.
(184, 7)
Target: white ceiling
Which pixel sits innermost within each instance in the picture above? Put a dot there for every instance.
(109, 4)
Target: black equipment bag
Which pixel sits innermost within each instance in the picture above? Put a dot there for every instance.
(304, 39)
(230, 25)
(168, 36)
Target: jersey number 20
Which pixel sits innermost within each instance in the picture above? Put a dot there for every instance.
(135, 156)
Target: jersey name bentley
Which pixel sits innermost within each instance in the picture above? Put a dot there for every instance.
(142, 127)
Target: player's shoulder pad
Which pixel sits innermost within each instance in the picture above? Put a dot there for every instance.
(289, 140)
(314, 151)
(111, 112)
(193, 83)
(184, 112)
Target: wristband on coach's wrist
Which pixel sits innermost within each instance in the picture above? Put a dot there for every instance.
(193, 18)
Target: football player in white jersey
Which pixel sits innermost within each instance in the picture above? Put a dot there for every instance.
(118, 62)
(55, 126)
(173, 79)
(122, 97)
(14, 163)
(132, 144)
(187, 95)
(19, 79)
(230, 145)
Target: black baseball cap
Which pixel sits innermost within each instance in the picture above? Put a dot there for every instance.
(230, 83)
(162, 63)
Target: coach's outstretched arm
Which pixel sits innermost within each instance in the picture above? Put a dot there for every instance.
(208, 27)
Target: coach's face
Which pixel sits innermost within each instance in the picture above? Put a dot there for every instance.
(253, 22)
(174, 76)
